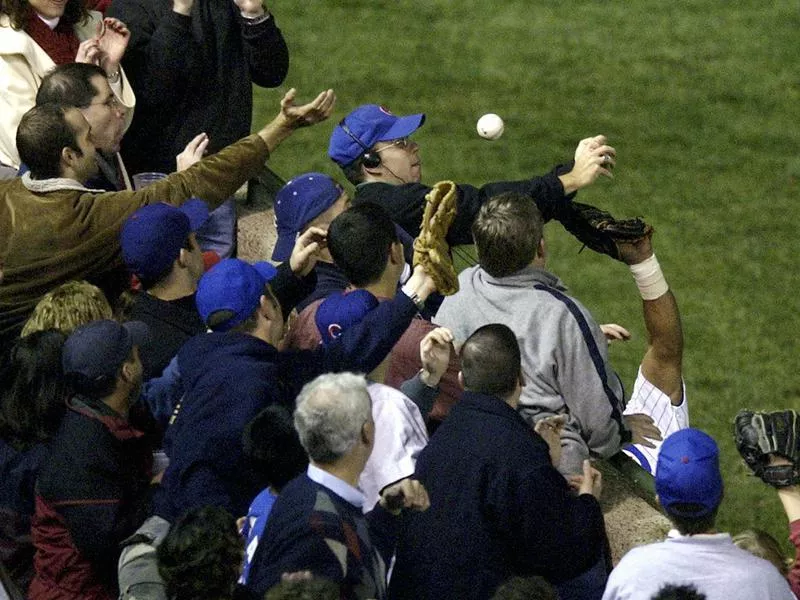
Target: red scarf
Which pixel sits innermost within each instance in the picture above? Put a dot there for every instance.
(60, 44)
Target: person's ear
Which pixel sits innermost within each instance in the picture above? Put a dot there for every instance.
(69, 156)
(269, 308)
(368, 433)
(128, 372)
(396, 255)
(183, 258)
(521, 379)
(541, 250)
(364, 434)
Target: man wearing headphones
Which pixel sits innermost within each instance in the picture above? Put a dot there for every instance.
(373, 148)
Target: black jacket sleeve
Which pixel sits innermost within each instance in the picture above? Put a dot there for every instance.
(406, 203)
(161, 54)
(266, 52)
(290, 289)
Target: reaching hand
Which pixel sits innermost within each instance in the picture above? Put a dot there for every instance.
(636, 251)
(406, 493)
(314, 112)
(592, 482)
(593, 158)
(434, 353)
(550, 430)
(193, 152)
(112, 37)
(614, 332)
(643, 429)
(88, 52)
(306, 251)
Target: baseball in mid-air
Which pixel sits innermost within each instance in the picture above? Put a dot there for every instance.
(490, 126)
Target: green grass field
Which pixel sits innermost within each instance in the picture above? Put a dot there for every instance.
(701, 100)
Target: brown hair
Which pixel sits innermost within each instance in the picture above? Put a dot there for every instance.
(507, 232)
(68, 306)
(19, 11)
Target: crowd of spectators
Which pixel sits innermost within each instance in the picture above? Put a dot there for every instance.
(176, 423)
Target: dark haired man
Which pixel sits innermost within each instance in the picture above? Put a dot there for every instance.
(60, 230)
(689, 487)
(160, 248)
(375, 152)
(86, 87)
(564, 351)
(92, 492)
(499, 507)
(365, 247)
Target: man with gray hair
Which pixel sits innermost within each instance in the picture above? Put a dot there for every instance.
(317, 524)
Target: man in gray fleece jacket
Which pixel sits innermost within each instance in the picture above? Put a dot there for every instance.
(564, 351)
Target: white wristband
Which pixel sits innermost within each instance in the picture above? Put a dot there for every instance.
(649, 279)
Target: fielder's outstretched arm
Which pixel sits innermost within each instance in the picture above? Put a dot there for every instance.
(661, 364)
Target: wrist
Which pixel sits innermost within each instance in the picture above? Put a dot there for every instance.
(410, 290)
(569, 182)
(429, 379)
(276, 132)
(112, 73)
(649, 278)
(254, 17)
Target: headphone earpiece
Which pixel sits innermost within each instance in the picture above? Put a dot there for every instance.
(370, 159)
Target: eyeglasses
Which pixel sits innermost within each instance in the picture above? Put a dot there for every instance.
(112, 103)
(402, 143)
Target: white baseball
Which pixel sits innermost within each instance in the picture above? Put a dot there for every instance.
(490, 126)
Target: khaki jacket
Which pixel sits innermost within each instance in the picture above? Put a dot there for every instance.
(56, 230)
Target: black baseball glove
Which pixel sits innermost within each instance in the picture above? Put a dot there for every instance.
(600, 231)
(761, 434)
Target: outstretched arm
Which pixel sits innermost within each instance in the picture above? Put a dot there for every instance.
(661, 364)
(790, 498)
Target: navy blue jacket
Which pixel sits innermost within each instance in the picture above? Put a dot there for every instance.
(498, 508)
(306, 526)
(229, 378)
(18, 472)
(92, 493)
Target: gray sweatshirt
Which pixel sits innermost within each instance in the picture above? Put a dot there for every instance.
(564, 354)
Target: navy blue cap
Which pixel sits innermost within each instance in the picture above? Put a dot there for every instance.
(368, 125)
(688, 473)
(153, 236)
(341, 311)
(98, 349)
(233, 285)
(300, 201)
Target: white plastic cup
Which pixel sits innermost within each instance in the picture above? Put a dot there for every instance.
(142, 180)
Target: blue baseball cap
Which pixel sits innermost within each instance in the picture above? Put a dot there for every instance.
(341, 311)
(233, 285)
(98, 349)
(301, 200)
(688, 473)
(368, 125)
(153, 236)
